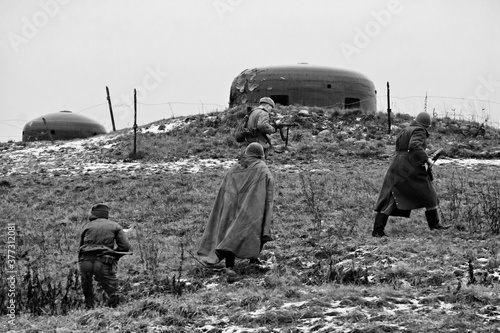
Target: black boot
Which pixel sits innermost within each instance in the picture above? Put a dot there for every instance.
(113, 301)
(379, 225)
(255, 261)
(433, 220)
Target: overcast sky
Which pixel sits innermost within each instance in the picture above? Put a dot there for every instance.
(182, 55)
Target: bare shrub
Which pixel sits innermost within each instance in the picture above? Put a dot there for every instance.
(469, 203)
(333, 212)
(149, 250)
(314, 193)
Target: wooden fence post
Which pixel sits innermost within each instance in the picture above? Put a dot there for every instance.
(135, 121)
(389, 108)
(110, 109)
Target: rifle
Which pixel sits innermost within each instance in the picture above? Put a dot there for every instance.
(114, 253)
(281, 126)
(434, 158)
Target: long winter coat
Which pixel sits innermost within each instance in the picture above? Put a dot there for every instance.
(241, 216)
(407, 184)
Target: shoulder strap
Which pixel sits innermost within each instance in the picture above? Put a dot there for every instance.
(82, 237)
(254, 109)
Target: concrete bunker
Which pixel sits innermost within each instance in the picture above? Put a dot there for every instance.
(306, 85)
(63, 125)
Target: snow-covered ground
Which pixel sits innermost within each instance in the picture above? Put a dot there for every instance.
(81, 156)
(468, 162)
(64, 158)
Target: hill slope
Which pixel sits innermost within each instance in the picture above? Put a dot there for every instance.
(322, 135)
(324, 272)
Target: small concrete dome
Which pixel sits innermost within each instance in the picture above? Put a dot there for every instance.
(63, 125)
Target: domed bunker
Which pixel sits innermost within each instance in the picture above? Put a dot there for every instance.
(63, 125)
(306, 85)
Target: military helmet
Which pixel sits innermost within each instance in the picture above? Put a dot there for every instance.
(100, 210)
(267, 100)
(424, 119)
(254, 149)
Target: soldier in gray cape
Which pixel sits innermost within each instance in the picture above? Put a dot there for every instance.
(240, 222)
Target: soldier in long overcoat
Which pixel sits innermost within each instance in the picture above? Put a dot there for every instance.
(407, 184)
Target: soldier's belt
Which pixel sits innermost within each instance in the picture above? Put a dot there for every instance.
(105, 259)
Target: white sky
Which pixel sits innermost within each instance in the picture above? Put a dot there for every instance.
(60, 54)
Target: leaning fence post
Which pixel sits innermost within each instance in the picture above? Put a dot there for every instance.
(135, 121)
(389, 108)
(110, 109)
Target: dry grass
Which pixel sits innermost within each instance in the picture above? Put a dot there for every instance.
(323, 271)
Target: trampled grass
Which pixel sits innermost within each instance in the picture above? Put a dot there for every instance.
(323, 272)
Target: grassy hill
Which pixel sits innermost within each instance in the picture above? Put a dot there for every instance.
(322, 273)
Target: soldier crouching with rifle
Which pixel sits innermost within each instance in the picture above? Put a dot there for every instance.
(408, 181)
(98, 257)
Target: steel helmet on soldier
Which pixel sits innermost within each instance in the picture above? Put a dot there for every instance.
(100, 210)
(424, 119)
(267, 100)
(254, 149)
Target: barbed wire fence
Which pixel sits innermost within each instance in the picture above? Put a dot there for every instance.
(170, 111)
(459, 109)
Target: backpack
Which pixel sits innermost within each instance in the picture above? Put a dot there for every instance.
(242, 131)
